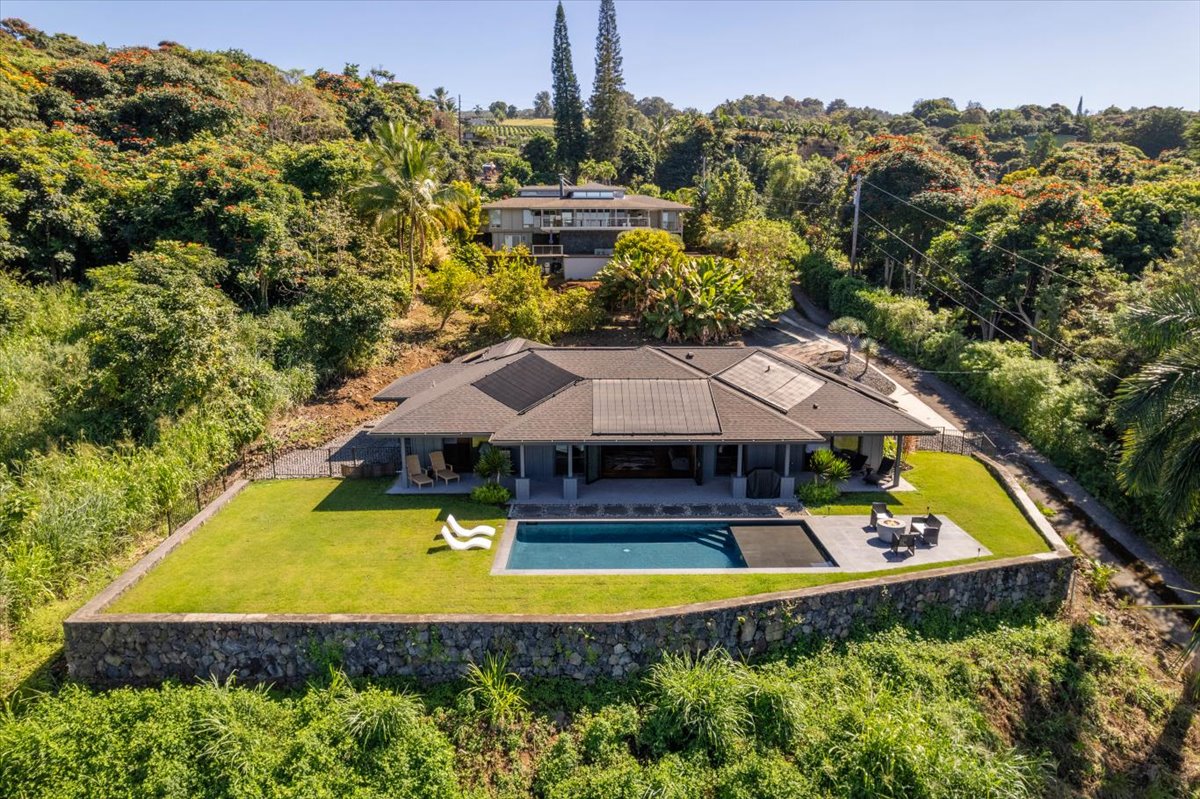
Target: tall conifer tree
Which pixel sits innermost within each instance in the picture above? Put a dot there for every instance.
(568, 105)
(608, 91)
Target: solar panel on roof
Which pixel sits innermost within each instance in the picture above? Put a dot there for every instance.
(643, 407)
(775, 383)
(525, 382)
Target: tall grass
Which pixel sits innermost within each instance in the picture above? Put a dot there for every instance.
(70, 500)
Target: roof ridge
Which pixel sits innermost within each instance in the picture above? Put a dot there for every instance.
(672, 359)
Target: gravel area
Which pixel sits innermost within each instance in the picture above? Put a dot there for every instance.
(835, 362)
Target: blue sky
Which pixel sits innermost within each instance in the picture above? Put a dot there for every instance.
(700, 53)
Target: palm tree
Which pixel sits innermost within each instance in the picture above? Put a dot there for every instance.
(848, 328)
(1159, 407)
(404, 193)
(659, 135)
(441, 99)
(868, 347)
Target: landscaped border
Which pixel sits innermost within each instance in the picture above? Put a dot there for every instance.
(146, 648)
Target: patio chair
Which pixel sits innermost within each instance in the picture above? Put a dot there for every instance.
(907, 541)
(416, 474)
(440, 470)
(879, 510)
(877, 476)
(928, 527)
(467, 532)
(458, 544)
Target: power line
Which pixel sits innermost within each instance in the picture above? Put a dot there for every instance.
(951, 297)
(1043, 267)
(969, 287)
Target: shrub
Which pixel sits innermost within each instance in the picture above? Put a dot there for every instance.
(756, 776)
(625, 281)
(491, 494)
(345, 320)
(605, 736)
(767, 253)
(815, 495)
(699, 701)
(651, 243)
(575, 310)
(702, 299)
(517, 302)
(220, 740)
(448, 288)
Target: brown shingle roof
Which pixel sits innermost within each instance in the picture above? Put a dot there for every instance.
(414, 384)
(450, 402)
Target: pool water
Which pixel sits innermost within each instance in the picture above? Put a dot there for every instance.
(625, 545)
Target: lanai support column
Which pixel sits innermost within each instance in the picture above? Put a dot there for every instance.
(787, 483)
(404, 462)
(738, 480)
(522, 481)
(899, 458)
(570, 484)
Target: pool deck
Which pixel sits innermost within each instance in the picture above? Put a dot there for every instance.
(850, 541)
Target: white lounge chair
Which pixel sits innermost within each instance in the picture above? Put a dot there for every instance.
(467, 532)
(479, 542)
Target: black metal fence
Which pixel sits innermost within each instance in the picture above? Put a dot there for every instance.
(348, 461)
(188, 505)
(959, 442)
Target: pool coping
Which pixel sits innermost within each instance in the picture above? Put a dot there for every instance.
(508, 537)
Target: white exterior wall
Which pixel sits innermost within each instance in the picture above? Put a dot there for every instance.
(582, 267)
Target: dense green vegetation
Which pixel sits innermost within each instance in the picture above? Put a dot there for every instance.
(191, 242)
(1011, 707)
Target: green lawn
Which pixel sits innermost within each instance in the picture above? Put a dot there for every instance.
(332, 546)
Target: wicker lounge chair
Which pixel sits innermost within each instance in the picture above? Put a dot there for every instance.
(907, 541)
(479, 542)
(416, 474)
(928, 527)
(884, 472)
(468, 532)
(879, 510)
(440, 470)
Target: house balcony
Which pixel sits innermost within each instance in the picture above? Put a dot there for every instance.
(547, 251)
(555, 223)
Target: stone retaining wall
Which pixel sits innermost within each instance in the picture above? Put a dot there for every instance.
(112, 649)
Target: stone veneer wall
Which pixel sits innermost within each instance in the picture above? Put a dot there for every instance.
(106, 650)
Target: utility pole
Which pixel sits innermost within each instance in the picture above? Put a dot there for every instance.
(458, 110)
(854, 232)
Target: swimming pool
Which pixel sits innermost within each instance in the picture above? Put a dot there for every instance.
(666, 545)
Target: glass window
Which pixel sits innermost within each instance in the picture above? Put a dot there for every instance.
(527, 217)
(494, 218)
(577, 456)
(847, 443)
